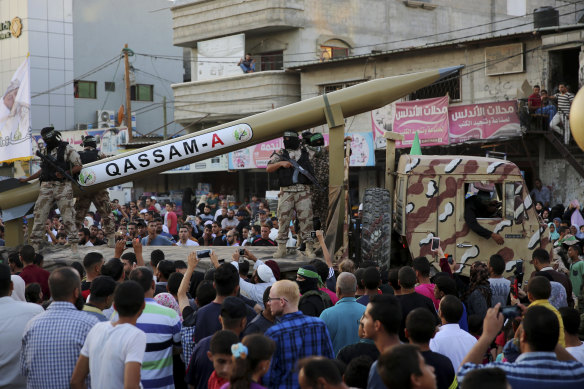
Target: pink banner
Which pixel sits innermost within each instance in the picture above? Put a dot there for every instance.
(429, 118)
(483, 121)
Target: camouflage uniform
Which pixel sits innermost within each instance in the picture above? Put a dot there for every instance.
(60, 192)
(320, 162)
(102, 204)
(294, 197)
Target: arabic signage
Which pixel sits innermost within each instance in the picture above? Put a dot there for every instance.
(428, 118)
(483, 121)
(165, 154)
(11, 28)
(258, 156)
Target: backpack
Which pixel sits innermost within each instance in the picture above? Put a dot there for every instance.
(325, 298)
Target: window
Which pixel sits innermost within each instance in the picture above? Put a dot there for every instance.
(273, 60)
(331, 52)
(450, 85)
(333, 87)
(85, 89)
(142, 92)
(110, 86)
(492, 207)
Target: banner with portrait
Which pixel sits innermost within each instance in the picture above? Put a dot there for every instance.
(15, 131)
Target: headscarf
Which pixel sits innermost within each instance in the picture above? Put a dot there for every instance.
(18, 291)
(168, 300)
(275, 268)
(555, 235)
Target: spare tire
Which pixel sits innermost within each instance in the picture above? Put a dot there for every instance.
(376, 228)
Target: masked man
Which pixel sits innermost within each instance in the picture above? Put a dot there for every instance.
(55, 188)
(295, 191)
(100, 198)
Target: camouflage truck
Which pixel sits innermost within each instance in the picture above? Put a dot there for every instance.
(429, 201)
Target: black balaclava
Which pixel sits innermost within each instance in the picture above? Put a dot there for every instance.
(291, 140)
(50, 137)
(89, 141)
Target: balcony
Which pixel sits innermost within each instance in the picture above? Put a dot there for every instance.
(206, 19)
(230, 98)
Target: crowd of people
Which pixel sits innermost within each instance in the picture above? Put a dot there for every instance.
(130, 320)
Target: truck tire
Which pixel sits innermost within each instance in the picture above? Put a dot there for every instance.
(376, 230)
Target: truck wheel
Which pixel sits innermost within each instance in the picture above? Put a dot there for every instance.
(376, 230)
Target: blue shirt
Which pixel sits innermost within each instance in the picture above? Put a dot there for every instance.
(51, 344)
(297, 336)
(157, 241)
(374, 380)
(536, 370)
(342, 321)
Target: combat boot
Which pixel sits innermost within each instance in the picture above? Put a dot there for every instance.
(281, 253)
(309, 252)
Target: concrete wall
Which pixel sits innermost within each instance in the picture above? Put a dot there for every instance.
(565, 182)
(101, 29)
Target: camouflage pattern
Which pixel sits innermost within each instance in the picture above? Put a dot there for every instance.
(429, 202)
(320, 200)
(60, 192)
(295, 197)
(102, 204)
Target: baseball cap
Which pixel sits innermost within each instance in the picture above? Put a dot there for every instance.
(233, 308)
(102, 286)
(144, 210)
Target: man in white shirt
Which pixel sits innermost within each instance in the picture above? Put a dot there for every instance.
(113, 352)
(262, 278)
(274, 229)
(15, 315)
(230, 221)
(183, 238)
(452, 341)
(571, 320)
(83, 235)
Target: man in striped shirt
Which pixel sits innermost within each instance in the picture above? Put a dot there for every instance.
(162, 327)
(543, 363)
(564, 101)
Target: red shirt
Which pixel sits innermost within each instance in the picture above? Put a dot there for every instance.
(33, 273)
(171, 216)
(534, 101)
(216, 382)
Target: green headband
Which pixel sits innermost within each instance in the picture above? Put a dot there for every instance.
(309, 274)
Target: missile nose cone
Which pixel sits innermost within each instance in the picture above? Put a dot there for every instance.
(449, 70)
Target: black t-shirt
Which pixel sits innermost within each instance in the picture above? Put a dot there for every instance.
(219, 241)
(311, 305)
(207, 320)
(411, 301)
(263, 242)
(442, 368)
(200, 366)
(85, 285)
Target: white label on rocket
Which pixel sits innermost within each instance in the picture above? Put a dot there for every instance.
(155, 157)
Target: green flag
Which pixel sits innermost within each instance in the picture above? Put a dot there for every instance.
(416, 149)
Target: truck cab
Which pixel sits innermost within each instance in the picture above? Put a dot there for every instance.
(430, 199)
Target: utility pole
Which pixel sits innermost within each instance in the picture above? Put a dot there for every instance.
(128, 113)
(164, 115)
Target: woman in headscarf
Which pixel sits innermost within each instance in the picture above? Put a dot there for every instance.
(478, 296)
(554, 235)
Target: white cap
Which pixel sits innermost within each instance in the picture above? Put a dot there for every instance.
(266, 274)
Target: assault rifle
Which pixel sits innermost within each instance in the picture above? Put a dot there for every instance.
(51, 161)
(300, 169)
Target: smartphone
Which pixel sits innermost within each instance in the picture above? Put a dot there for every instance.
(221, 261)
(129, 244)
(511, 312)
(450, 260)
(435, 244)
(203, 253)
(241, 251)
(313, 234)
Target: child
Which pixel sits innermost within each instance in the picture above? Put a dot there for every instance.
(251, 362)
(220, 355)
(500, 286)
(113, 352)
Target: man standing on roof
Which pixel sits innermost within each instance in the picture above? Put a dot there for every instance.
(481, 205)
(55, 188)
(100, 198)
(295, 191)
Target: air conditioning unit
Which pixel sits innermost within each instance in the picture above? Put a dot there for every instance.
(81, 126)
(106, 119)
